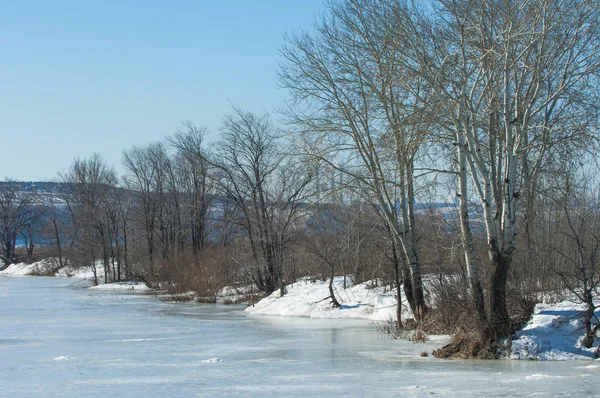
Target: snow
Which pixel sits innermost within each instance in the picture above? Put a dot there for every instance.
(553, 333)
(22, 269)
(306, 298)
(81, 272)
(50, 266)
(212, 360)
(123, 287)
(63, 358)
(59, 340)
(230, 294)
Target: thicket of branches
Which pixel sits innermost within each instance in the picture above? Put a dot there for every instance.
(491, 106)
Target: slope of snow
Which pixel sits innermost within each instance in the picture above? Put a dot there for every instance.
(85, 272)
(553, 333)
(311, 299)
(130, 287)
(64, 342)
(22, 269)
(49, 266)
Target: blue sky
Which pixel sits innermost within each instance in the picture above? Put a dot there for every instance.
(84, 76)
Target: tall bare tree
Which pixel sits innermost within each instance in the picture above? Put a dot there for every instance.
(193, 171)
(362, 116)
(92, 181)
(503, 74)
(15, 211)
(267, 189)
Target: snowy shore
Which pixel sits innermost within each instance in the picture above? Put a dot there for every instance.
(553, 333)
(311, 299)
(46, 267)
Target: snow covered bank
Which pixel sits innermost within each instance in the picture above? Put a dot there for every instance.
(49, 267)
(21, 269)
(311, 299)
(554, 333)
(128, 287)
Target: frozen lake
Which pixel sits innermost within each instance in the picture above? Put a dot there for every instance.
(60, 340)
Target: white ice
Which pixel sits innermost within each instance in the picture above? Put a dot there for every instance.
(136, 346)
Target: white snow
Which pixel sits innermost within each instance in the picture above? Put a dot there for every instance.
(49, 266)
(212, 360)
(311, 299)
(123, 286)
(62, 341)
(63, 358)
(553, 333)
(83, 272)
(22, 269)
(230, 294)
(542, 376)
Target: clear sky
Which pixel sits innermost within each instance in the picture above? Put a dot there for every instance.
(85, 76)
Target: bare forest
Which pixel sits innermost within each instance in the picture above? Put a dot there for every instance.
(447, 150)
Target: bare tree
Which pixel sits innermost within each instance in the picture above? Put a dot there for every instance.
(92, 181)
(15, 211)
(193, 172)
(362, 116)
(575, 248)
(31, 227)
(58, 227)
(266, 188)
(140, 180)
(502, 74)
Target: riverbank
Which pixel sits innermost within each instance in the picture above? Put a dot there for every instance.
(49, 267)
(310, 298)
(553, 333)
(58, 340)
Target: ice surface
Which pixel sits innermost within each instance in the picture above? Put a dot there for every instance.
(121, 345)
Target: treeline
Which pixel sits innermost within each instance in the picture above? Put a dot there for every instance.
(393, 105)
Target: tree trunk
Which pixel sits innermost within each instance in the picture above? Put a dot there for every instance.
(499, 321)
(590, 332)
(398, 288)
(475, 288)
(334, 301)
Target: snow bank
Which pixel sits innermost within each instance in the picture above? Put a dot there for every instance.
(82, 272)
(230, 291)
(123, 287)
(37, 268)
(553, 333)
(230, 294)
(49, 266)
(311, 299)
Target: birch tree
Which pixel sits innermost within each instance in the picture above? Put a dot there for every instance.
(505, 73)
(351, 101)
